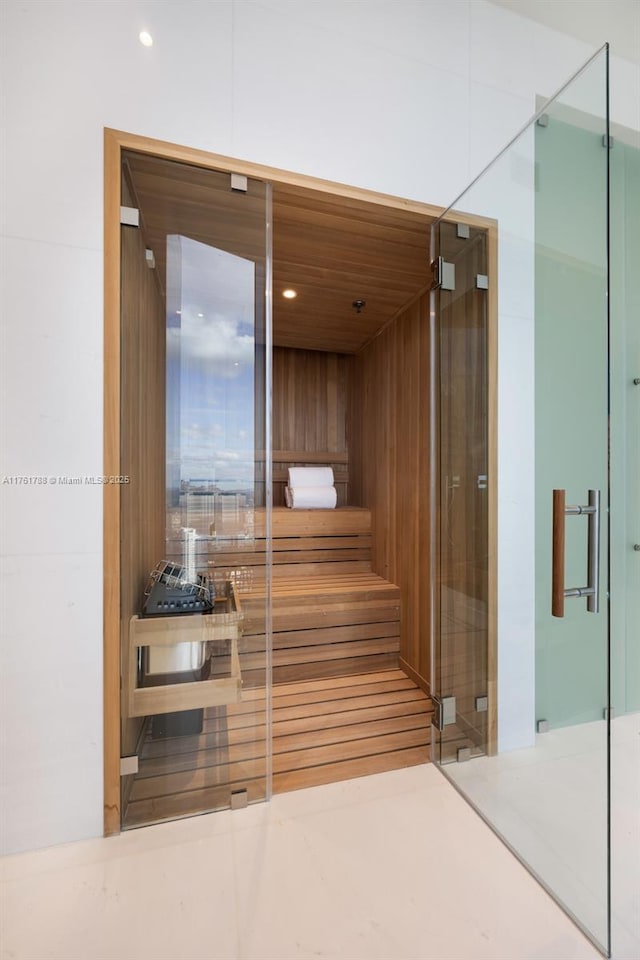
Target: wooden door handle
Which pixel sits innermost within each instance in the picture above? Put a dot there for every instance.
(557, 575)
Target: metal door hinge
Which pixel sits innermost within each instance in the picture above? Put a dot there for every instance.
(151, 260)
(129, 216)
(482, 281)
(462, 231)
(542, 726)
(239, 799)
(482, 704)
(444, 711)
(444, 274)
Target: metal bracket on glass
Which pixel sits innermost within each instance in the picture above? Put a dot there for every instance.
(444, 711)
(592, 590)
(444, 274)
(239, 183)
(129, 216)
(128, 765)
(239, 799)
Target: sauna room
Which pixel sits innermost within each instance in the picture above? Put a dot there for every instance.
(276, 572)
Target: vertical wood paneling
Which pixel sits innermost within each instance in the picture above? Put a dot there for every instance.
(310, 390)
(142, 500)
(389, 442)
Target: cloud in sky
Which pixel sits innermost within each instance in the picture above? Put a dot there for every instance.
(211, 307)
(210, 361)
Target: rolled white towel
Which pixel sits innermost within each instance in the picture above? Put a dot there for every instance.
(312, 498)
(310, 477)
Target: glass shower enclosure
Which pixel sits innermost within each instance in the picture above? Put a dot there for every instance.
(537, 425)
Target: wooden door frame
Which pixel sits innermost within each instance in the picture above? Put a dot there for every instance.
(115, 142)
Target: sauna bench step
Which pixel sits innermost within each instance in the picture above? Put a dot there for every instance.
(341, 521)
(323, 626)
(324, 589)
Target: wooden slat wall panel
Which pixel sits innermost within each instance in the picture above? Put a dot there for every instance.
(389, 444)
(143, 422)
(310, 391)
(309, 400)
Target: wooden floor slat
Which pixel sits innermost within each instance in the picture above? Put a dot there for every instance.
(236, 748)
(257, 732)
(319, 710)
(323, 730)
(348, 770)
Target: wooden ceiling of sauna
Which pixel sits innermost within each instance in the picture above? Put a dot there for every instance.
(332, 250)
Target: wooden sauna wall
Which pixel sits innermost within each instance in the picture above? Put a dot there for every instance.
(389, 447)
(142, 442)
(310, 391)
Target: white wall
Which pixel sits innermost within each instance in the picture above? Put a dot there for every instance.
(407, 97)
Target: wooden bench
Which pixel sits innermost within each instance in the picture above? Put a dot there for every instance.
(331, 615)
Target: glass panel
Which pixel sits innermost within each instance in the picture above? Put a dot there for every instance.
(526, 703)
(196, 550)
(463, 585)
(625, 557)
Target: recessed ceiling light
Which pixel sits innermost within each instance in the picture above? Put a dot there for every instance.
(289, 294)
(145, 39)
(178, 313)
(201, 315)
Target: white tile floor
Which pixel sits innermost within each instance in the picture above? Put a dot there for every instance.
(391, 866)
(550, 804)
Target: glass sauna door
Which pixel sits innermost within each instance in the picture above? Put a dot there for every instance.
(196, 514)
(521, 330)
